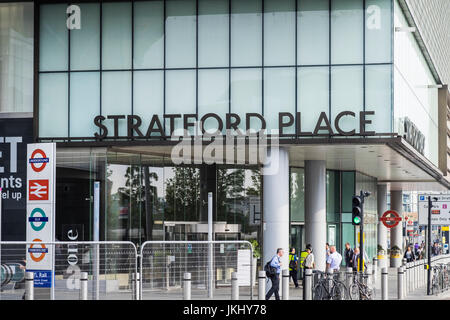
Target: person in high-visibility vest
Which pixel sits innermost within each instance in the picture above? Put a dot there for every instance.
(303, 256)
(293, 264)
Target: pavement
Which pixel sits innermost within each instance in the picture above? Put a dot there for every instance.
(224, 293)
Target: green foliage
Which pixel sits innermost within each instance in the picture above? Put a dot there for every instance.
(256, 249)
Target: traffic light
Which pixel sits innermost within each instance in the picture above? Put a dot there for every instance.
(356, 210)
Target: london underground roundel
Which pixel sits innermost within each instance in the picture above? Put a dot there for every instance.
(37, 223)
(40, 251)
(38, 163)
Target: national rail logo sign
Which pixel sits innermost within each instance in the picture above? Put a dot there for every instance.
(38, 163)
(38, 190)
(37, 223)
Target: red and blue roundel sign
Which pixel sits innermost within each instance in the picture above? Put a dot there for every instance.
(38, 163)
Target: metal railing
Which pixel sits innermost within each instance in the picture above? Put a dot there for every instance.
(414, 273)
(110, 267)
(211, 265)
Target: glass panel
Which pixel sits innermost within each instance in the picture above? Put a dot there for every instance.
(148, 96)
(348, 190)
(347, 25)
(246, 94)
(116, 98)
(213, 33)
(85, 42)
(213, 96)
(313, 32)
(53, 38)
(297, 198)
(313, 95)
(279, 95)
(148, 34)
(333, 196)
(239, 200)
(180, 34)
(84, 103)
(378, 97)
(16, 50)
(116, 35)
(378, 31)
(279, 32)
(347, 95)
(180, 96)
(246, 31)
(53, 109)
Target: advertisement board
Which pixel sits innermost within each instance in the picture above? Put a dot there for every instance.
(440, 211)
(40, 211)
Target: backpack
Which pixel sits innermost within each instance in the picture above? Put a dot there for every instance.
(270, 271)
(292, 265)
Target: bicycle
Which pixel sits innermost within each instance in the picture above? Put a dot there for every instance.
(329, 288)
(359, 290)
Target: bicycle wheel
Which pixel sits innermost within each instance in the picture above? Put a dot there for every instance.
(343, 289)
(337, 292)
(354, 291)
(319, 292)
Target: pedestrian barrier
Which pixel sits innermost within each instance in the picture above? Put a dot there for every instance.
(414, 275)
(261, 285)
(210, 263)
(109, 265)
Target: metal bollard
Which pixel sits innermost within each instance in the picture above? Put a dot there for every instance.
(308, 284)
(84, 286)
(348, 277)
(29, 286)
(138, 286)
(374, 271)
(384, 284)
(400, 286)
(234, 286)
(262, 285)
(285, 285)
(187, 286)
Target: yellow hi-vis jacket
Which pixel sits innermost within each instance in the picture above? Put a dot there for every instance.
(303, 256)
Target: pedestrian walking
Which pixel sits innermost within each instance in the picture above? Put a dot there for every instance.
(274, 274)
(293, 265)
(334, 260)
(409, 255)
(348, 255)
(356, 257)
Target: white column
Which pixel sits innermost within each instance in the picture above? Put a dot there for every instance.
(315, 209)
(276, 207)
(382, 230)
(396, 232)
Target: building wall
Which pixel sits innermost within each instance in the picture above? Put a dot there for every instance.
(413, 96)
(431, 17)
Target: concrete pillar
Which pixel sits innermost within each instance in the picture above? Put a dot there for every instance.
(315, 209)
(397, 232)
(276, 207)
(382, 230)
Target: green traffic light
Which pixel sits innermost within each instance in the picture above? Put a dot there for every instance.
(357, 220)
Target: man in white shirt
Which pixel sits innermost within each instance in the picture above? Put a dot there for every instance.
(334, 260)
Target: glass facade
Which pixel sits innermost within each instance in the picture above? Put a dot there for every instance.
(16, 57)
(147, 198)
(341, 186)
(263, 56)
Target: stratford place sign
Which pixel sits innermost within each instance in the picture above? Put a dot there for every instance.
(286, 121)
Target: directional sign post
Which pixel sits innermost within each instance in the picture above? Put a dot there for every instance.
(40, 215)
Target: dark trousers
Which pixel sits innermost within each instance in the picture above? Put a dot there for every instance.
(275, 286)
(293, 274)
